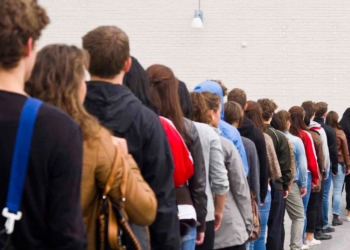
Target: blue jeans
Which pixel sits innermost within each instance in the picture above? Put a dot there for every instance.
(327, 187)
(338, 182)
(264, 211)
(188, 242)
(306, 200)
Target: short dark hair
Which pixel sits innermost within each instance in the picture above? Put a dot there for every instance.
(233, 113)
(19, 21)
(185, 100)
(268, 107)
(310, 105)
(283, 116)
(109, 48)
(237, 95)
(322, 108)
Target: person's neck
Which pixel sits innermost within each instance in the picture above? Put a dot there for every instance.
(235, 124)
(118, 79)
(13, 80)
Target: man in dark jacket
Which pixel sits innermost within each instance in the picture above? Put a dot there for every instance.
(250, 131)
(50, 203)
(280, 187)
(121, 112)
(320, 116)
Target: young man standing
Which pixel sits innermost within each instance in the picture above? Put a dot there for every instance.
(50, 203)
(280, 187)
(320, 117)
(121, 112)
(250, 131)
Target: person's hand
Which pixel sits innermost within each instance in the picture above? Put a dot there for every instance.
(303, 192)
(217, 222)
(261, 204)
(313, 185)
(333, 174)
(347, 172)
(200, 238)
(120, 142)
(285, 194)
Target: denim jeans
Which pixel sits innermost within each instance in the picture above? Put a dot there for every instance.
(306, 200)
(264, 211)
(338, 182)
(327, 187)
(188, 242)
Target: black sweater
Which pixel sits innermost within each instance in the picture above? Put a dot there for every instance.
(51, 208)
(250, 131)
(120, 111)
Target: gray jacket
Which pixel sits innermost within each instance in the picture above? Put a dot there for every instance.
(254, 167)
(216, 173)
(237, 221)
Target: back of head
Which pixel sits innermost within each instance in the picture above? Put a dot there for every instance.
(345, 121)
(137, 81)
(332, 119)
(238, 95)
(233, 113)
(109, 49)
(311, 106)
(20, 20)
(284, 117)
(268, 107)
(322, 108)
(58, 78)
(200, 111)
(185, 100)
(164, 94)
(254, 113)
(297, 120)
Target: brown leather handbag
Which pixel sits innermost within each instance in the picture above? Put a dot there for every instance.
(114, 231)
(256, 219)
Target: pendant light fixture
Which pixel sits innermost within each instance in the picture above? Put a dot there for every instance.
(197, 22)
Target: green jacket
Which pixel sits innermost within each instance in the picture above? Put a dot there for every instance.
(283, 155)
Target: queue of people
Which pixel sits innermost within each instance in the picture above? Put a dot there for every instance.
(174, 169)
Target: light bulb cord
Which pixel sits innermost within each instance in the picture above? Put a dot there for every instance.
(199, 5)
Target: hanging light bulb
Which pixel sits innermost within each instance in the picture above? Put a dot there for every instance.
(197, 22)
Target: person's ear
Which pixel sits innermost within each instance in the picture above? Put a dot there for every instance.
(127, 65)
(245, 107)
(29, 47)
(212, 114)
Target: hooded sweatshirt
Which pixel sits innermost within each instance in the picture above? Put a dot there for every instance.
(227, 130)
(121, 112)
(317, 127)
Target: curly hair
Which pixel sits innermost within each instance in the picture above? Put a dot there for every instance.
(200, 111)
(56, 79)
(19, 21)
(268, 107)
(223, 87)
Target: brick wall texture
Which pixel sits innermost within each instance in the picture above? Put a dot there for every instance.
(296, 50)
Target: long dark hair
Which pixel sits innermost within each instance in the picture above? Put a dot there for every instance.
(332, 120)
(255, 114)
(164, 94)
(56, 79)
(185, 100)
(297, 121)
(308, 114)
(137, 81)
(345, 122)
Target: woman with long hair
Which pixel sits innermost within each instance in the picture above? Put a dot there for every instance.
(237, 221)
(343, 164)
(254, 113)
(191, 196)
(58, 79)
(299, 128)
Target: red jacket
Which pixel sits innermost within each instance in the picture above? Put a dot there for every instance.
(310, 156)
(182, 158)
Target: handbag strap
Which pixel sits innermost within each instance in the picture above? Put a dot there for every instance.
(20, 160)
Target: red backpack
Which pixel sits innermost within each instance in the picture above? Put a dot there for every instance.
(182, 158)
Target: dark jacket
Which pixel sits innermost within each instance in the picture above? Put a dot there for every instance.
(122, 113)
(281, 144)
(332, 143)
(198, 181)
(250, 131)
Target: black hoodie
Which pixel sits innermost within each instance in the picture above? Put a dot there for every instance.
(121, 112)
(250, 131)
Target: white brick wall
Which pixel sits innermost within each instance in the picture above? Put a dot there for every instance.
(296, 50)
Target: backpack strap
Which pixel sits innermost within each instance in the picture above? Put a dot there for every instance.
(20, 160)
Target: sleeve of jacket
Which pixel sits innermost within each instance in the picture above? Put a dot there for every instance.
(240, 189)
(345, 149)
(158, 171)
(311, 158)
(264, 170)
(285, 161)
(217, 169)
(301, 163)
(325, 148)
(254, 174)
(64, 216)
(319, 152)
(333, 152)
(140, 203)
(197, 182)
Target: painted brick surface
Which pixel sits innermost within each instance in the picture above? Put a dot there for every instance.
(296, 50)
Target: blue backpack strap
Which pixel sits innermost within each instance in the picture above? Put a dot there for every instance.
(20, 160)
